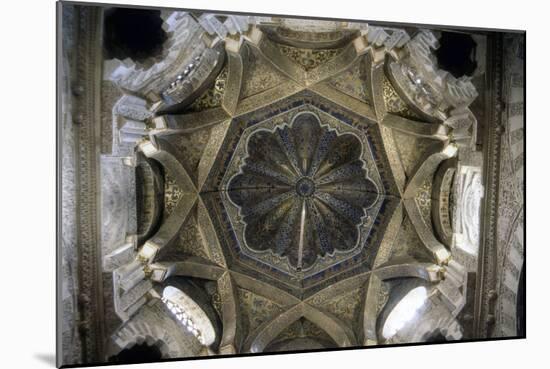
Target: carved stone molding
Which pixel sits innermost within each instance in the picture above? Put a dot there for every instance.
(509, 305)
(442, 192)
(486, 279)
(68, 339)
(86, 120)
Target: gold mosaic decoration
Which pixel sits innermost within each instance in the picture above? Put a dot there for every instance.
(393, 102)
(257, 309)
(300, 329)
(382, 298)
(424, 200)
(411, 150)
(353, 82)
(259, 76)
(172, 194)
(217, 302)
(190, 240)
(345, 306)
(190, 147)
(212, 98)
(308, 59)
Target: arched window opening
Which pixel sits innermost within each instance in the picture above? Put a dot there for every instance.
(456, 54)
(133, 33)
(405, 311)
(468, 209)
(138, 353)
(189, 314)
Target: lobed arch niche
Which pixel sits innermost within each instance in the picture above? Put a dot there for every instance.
(187, 298)
(152, 334)
(414, 312)
(158, 330)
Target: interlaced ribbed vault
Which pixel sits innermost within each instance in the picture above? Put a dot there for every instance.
(296, 169)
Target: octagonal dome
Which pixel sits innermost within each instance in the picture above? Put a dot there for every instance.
(303, 192)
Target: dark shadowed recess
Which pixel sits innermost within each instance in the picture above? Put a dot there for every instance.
(140, 353)
(456, 54)
(133, 33)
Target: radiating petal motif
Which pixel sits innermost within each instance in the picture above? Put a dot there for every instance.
(321, 229)
(269, 171)
(344, 149)
(259, 202)
(353, 213)
(361, 199)
(325, 142)
(288, 231)
(349, 171)
(265, 149)
(306, 133)
(267, 230)
(302, 191)
(284, 135)
(342, 234)
(255, 180)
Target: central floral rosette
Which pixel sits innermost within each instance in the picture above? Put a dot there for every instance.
(302, 190)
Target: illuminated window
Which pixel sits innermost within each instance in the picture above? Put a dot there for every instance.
(405, 311)
(189, 314)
